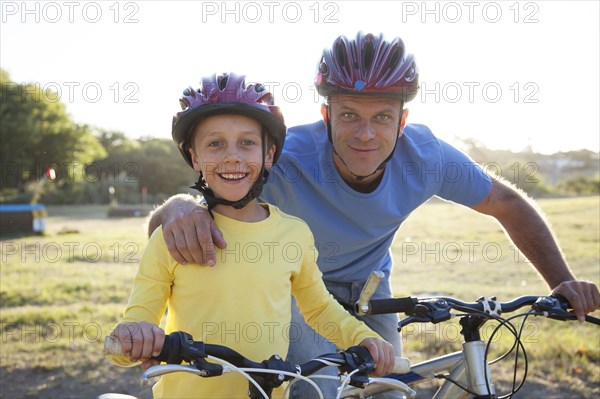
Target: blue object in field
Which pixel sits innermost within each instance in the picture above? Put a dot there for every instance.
(22, 207)
(22, 218)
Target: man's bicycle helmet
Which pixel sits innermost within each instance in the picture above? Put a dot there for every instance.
(228, 94)
(368, 65)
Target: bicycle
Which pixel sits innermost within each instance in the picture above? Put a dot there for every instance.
(465, 372)
(263, 377)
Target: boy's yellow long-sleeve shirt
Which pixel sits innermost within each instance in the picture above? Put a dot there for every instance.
(243, 301)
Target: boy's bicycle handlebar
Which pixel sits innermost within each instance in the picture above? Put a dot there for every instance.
(438, 309)
(180, 347)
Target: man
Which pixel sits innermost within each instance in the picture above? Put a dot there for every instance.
(356, 176)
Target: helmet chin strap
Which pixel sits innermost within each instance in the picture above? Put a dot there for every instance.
(253, 193)
(360, 178)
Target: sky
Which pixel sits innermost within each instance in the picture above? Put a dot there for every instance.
(509, 74)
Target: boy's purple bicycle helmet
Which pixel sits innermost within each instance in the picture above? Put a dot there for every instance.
(369, 65)
(226, 94)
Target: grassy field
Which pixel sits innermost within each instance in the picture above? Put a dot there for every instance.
(61, 294)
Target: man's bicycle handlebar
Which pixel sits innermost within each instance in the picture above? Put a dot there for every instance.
(438, 309)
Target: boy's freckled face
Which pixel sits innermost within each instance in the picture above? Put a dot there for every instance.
(227, 149)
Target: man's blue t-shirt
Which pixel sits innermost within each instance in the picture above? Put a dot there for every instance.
(354, 231)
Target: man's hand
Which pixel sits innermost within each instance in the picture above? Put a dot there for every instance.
(191, 237)
(582, 295)
(140, 341)
(382, 353)
(189, 231)
(526, 226)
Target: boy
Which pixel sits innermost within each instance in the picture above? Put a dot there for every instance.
(232, 134)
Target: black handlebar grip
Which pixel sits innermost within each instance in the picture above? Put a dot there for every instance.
(593, 320)
(112, 346)
(392, 305)
(167, 350)
(180, 346)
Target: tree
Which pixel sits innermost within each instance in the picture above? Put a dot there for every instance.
(36, 132)
(161, 168)
(132, 164)
(581, 185)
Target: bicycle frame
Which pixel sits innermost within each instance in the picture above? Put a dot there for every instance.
(464, 367)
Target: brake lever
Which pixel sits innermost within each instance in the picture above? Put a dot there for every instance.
(412, 319)
(430, 311)
(553, 307)
(158, 370)
(358, 358)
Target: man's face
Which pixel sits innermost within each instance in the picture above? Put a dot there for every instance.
(364, 131)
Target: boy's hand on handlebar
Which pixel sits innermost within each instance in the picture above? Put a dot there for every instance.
(382, 353)
(140, 341)
(191, 235)
(583, 296)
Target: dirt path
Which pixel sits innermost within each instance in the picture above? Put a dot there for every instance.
(104, 378)
(59, 384)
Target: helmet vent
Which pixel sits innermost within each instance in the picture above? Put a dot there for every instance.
(410, 75)
(368, 55)
(323, 69)
(223, 82)
(340, 52)
(184, 104)
(396, 55)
